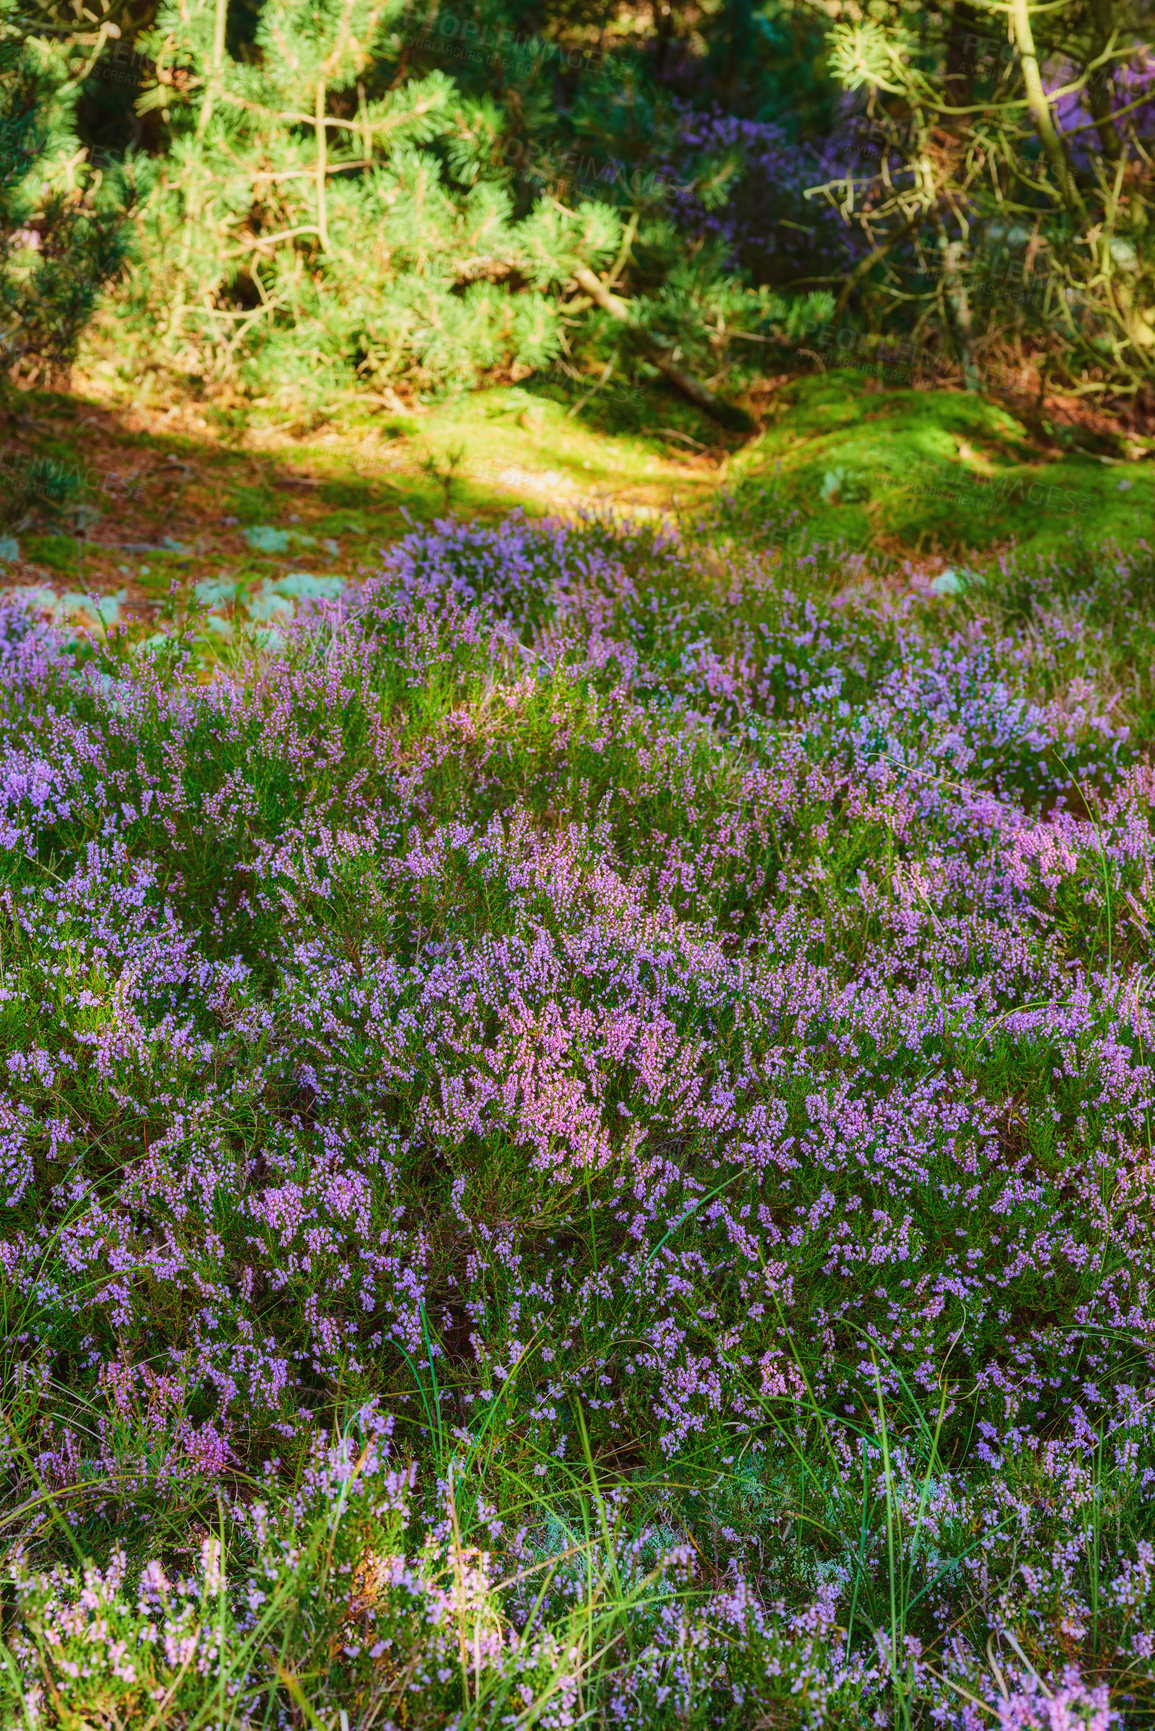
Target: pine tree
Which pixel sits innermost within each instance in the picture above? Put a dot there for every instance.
(1012, 180)
(62, 231)
(62, 238)
(303, 239)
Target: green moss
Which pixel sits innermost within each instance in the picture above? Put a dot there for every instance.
(928, 471)
(349, 495)
(255, 504)
(56, 552)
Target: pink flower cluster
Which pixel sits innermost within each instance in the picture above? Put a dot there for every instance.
(579, 1003)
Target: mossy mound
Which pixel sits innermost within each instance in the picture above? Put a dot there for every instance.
(921, 472)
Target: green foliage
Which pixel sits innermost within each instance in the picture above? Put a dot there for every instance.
(1004, 180)
(337, 200)
(61, 230)
(303, 238)
(371, 196)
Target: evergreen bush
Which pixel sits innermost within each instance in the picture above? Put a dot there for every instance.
(327, 214)
(62, 235)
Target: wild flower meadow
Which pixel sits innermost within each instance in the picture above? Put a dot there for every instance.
(576, 1148)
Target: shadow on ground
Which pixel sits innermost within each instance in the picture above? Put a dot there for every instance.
(159, 499)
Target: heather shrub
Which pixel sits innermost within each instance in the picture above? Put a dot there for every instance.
(574, 1140)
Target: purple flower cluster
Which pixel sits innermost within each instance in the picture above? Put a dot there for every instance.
(743, 183)
(1126, 106)
(582, 1024)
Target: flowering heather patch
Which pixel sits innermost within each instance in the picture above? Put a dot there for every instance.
(575, 1143)
(743, 183)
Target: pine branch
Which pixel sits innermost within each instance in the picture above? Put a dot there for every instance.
(726, 414)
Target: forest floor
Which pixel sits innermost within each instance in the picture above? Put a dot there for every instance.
(838, 459)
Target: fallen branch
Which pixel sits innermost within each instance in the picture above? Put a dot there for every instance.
(726, 414)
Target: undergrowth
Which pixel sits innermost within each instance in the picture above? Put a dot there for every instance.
(576, 1147)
